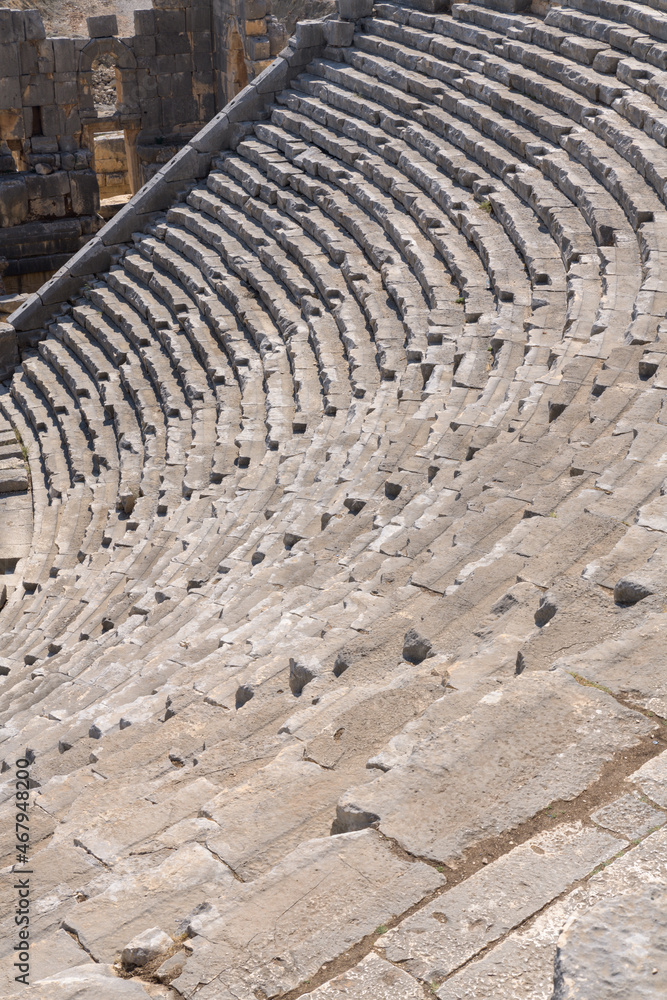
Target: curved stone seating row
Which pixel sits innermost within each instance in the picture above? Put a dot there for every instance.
(397, 362)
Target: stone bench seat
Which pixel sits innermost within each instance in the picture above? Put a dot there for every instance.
(396, 362)
(621, 101)
(378, 247)
(431, 181)
(98, 425)
(317, 226)
(123, 295)
(288, 319)
(635, 213)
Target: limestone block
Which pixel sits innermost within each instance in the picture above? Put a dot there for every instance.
(54, 185)
(145, 947)
(302, 671)
(462, 921)
(522, 965)
(70, 122)
(372, 977)
(84, 982)
(255, 9)
(8, 357)
(354, 883)
(102, 25)
(85, 192)
(9, 61)
(615, 662)
(37, 90)
(309, 33)
(180, 108)
(257, 27)
(630, 816)
(166, 893)
(615, 950)
(506, 6)
(11, 27)
(198, 19)
(65, 55)
(171, 43)
(651, 778)
(352, 10)
(27, 53)
(339, 33)
(144, 22)
(277, 35)
(13, 201)
(431, 801)
(13, 475)
(33, 25)
(10, 97)
(45, 57)
(66, 89)
(169, 22)
(258, 48)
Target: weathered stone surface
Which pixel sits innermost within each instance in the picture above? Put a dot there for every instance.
(102, 25)
(49, 955)
(353, 883)
(616, 665)
(381, 349)
(522, 966)
(416, 647)
(616, 949)
(86, 982)
(651, 778)
(130, 905)
(145, 947)
(629, 816)
(302, 672)
(462, 921)
(493, 769)
(372, 977)
(13, 475)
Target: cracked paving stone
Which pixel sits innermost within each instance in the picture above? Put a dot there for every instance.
(323, 899)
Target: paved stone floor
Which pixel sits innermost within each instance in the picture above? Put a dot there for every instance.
(336, 528)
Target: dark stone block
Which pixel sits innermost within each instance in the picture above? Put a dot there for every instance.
(169, 22)
(85, 192)
(11, 29)
(9, 354)
(9, 59)
(65, 55)
(102, 26)
(171, 44)
(13, 202)
(54, 185)
(198, 19)
(144, 22)
(506, 6)
(33, 25)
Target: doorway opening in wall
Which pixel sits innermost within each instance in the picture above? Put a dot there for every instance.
(107, 141)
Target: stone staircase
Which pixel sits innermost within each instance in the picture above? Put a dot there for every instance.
(396, 364)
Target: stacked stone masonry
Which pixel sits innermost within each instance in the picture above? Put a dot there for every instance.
(334, 610)
(166, 81)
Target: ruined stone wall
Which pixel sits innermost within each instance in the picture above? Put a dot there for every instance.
(186, 60)
(247, 38)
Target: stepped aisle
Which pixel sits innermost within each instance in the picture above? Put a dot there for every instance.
(334, 528)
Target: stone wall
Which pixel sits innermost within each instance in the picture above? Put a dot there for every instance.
(185, 61)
